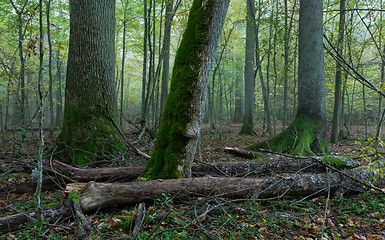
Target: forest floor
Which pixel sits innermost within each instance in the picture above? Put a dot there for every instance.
(358, 216)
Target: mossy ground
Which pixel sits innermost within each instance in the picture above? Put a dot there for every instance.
(301, 138)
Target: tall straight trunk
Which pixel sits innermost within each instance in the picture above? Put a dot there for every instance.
(58, 95)
(338, 79)
(144, 72)
(7, 101)
(50, 88)
(265, 85)
(181, 122)
(306, 135)
(38, 193)
(89, 127)
(365, 111)
(380, 108)
(123, 59)
(238, 109)
(285, 68)
(19, 12)
(249, 75)
(166, 54)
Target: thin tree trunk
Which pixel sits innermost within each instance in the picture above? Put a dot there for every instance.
(38, 193)
(338, 79)
(144, 72)
(123, 59)
(166, 54)
(238, 109)
(19, 13)
(50, 88)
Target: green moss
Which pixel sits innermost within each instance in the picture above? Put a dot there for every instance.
(333, 161)
(172, 139)
(87, 136)
(74, 196)
(300, 138)
(126, 222)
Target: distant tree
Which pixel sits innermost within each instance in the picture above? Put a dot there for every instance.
(88, 132)
(21, 34)
(307, 134)
(182, 117)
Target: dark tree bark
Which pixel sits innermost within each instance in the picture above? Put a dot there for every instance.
(248, 117)
(182, 117)
(88, 132)
(307, 134)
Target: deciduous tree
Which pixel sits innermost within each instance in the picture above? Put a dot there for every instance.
(306, 135)
(182, 117)
(88, 132)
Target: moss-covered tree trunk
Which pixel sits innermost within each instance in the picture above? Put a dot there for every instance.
(87, 132)
(182, 117)
(307, 135)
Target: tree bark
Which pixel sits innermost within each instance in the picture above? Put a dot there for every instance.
(338, 78)
(238, 109)
(88, 133)
(50, 89)
(95, 195)
(182, 117)
(166, 54)
(19, 12)
(307, 134)
(248, 117)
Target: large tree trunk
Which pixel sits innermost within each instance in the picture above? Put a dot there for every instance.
(88, 132)
(248, 117)
(307, 134)
(182, 117)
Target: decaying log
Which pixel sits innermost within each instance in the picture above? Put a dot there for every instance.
(17, 221)
(228, 169)
(96, 195)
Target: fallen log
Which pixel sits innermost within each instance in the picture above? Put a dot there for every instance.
(17, 221)
(97, 195)
(228, 169)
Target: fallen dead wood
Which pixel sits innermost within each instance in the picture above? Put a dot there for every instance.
(17, 221)
(97, 195)
(228, 169)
